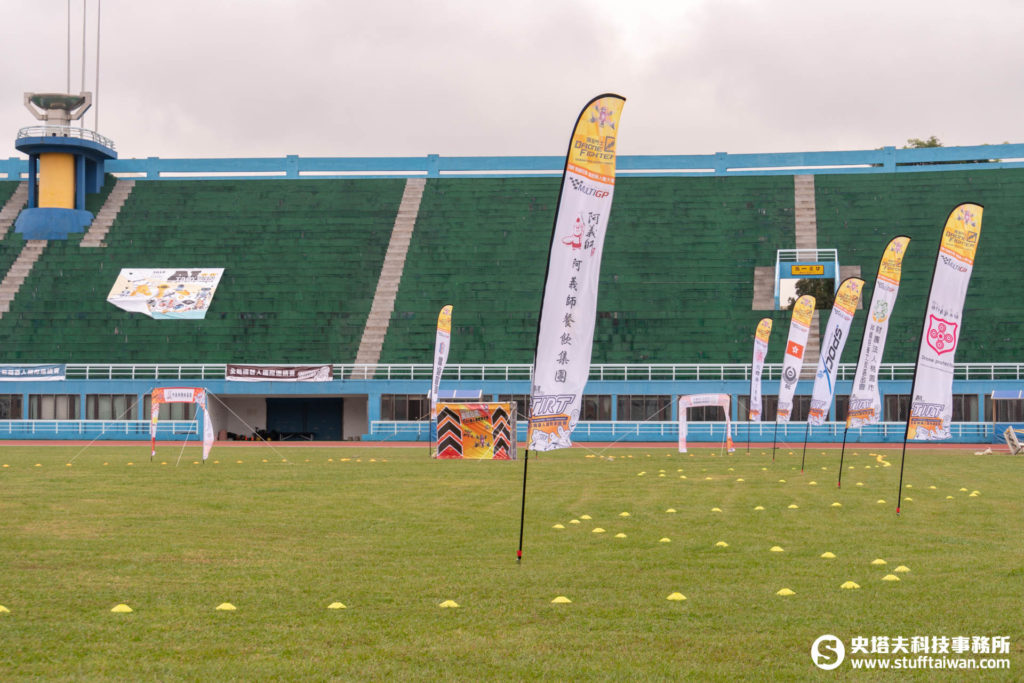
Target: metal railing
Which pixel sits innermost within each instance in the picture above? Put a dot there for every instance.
(66, 132)
(614, 372)
(111, 429)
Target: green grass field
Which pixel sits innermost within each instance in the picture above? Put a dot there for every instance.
(391, 534)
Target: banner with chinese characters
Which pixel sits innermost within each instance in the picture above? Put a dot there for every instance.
(865, 400)
(35, 373)
(163, 395)
(836, 333)
(476, 431)
(279, 373)
(698, 401)
(166, 293)
(441, 343)
(931, 400)
(793, 361)
(761, 335)
(565, 335)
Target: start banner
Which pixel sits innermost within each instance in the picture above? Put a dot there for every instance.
(166, 293)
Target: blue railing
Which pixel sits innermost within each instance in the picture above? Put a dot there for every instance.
(884, 160)
(714, 432)
(112, 430)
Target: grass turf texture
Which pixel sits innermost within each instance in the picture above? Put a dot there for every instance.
(391, 534)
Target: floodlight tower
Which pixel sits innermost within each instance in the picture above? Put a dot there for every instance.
(64, 164)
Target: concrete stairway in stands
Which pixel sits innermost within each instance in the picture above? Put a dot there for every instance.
(107, 213)
(20, 269)
(12, 207)
(377, 322)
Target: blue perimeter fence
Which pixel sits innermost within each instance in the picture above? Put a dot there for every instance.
(883, 160)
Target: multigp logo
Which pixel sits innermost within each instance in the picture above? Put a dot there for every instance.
(828, 652)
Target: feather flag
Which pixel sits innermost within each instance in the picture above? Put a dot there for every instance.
(836, 333)
(761, 335)
(793, 361)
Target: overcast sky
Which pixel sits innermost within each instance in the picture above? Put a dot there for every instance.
(191, 78)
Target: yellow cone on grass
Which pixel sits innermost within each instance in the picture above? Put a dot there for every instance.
(849, 585)
(775, 549)
(226, 607)
(676, 596)
(880, 501)
(4, 610)
(759, 507)
(782, 481)
(785, 592)
(558, 526)
(890, 577)
(585, 517)
(670, 510)
(121, 609)
(716, 509)
(561, 600)
(574, 521)
(902, 569)
(666, 539)
(963, 490)
(597, 530)
(837, 504)
(620, 535)
(336, 605)
(721, 544)
(448, 603)
(624, 514)
(812, 483)
(878, 562)
(828, 555)
(793, 506)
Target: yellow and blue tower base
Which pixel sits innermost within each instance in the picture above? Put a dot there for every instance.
(64, 165)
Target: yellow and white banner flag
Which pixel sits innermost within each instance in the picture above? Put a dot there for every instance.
(931, 401)
(764, 331)
(836, 333)
(565, 335)
(793, 361)
(700, 400)
(865, 399)
(442, 342)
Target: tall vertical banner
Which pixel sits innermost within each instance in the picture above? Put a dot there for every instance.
(701, 400)
(793, 361)
(565, 334)
(761, 335)
(836, 333)
(180, 395)
(441, 344)
(931, 402)
(865, 399)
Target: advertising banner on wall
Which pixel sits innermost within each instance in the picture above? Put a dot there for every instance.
(278, 373)
(166, 293)
(35, 373)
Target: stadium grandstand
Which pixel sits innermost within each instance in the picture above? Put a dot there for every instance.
(346, 263)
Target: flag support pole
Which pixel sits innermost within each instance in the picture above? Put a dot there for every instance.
(842, 453)
(903, 457)
(522, 509)
(803, 457)
(775, 438)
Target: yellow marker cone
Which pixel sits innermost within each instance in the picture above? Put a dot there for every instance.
(574, 521)
(860, 483)
(909, 499)
(597, 530)
(589, 455)
(721, 544)
(837, 504)
(620, 535)
(974, 494)
(624, 514)
(682, 476)
(448, 603)
(40, 465)
(812, 483)
(336, 605)
(759, 507)
(776, 549)
(585, 517)
(949, 497)
(909, 486)
(793, 506)
(932, 488)
(849, 585)
(238, 462)
(4, 610)
(785, 591)
(716, 509)
(782, 481)
(828, 555)
(902, 569)
(676, 596)
(741, 479)
(226, 607)
(561, 600)
(68, 465)
(879, 562)
(707, 478)
(665, 540)
(890, 577)
(662, 474)
(121, 609)
(961, 490)
(880, 501)
(671, 510)
(640, 474)
(558, 526)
